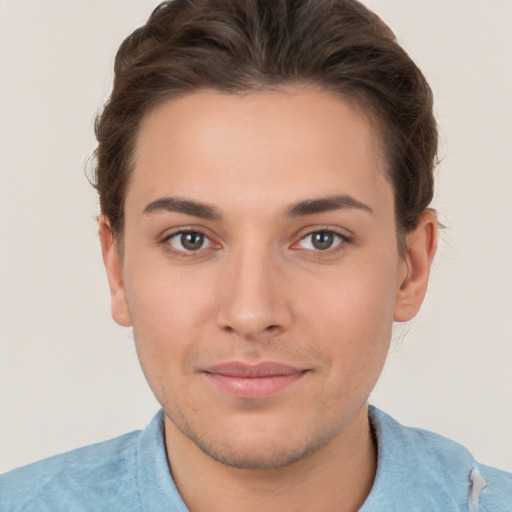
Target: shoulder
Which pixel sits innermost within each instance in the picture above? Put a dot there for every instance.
(75, 480)
(496, 494)
(428, 470)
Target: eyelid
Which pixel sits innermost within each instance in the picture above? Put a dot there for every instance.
(178, 235)
(169, 232)
(344, 239)
(165, 239)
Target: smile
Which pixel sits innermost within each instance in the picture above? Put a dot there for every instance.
(253, 381)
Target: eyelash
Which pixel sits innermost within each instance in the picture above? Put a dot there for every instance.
(343, 240)
(184, 253)
(165, 242)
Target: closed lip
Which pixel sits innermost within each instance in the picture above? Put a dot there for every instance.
(253, 381)
(239, 369)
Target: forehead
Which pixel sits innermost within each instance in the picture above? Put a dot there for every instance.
(295, 143)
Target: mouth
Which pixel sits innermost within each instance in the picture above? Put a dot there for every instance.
(253, 381)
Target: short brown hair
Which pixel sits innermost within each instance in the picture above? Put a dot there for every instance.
(239, 46)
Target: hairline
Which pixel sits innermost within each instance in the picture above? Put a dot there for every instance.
(355, 99)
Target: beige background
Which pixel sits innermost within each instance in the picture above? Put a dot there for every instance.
(69, 375)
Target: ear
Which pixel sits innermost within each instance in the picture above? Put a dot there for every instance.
(114, 267)
(421, 248)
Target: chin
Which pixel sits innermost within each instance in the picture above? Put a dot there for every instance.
(257, 456)
(258, 447)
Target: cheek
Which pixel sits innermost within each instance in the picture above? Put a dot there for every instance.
(169, 309)
(166, 296)
(351, 315)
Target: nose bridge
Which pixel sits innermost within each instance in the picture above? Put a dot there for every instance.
(253, 298)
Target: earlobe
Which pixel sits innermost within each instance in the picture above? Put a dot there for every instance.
(421, 248)
(114, 268)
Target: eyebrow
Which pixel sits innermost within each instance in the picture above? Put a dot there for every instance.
(204, 211)
(173, 204)
(326, 204)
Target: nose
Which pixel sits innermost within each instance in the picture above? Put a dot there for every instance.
(253, 301)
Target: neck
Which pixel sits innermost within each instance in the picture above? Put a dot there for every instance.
(338, 477)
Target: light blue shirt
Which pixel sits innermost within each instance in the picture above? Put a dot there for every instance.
(417, 471)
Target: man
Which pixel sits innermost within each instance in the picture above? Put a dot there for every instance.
(264, 172)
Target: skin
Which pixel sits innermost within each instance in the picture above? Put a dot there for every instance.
(258, 289)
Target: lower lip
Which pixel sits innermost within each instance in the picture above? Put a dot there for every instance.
(254, 387)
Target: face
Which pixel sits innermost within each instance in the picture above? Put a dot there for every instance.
(260, 270)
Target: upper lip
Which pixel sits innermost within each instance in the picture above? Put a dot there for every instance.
(263, 369)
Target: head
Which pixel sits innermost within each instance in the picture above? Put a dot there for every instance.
(264, 172)
(238, 47)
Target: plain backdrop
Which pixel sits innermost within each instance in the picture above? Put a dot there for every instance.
(69, 375)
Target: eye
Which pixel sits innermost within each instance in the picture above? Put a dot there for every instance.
(188, 241)
(321, 240)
